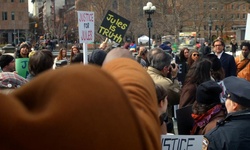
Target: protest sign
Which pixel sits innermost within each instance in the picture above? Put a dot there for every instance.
(247, 34)
(185, 121)
(22, 66)
(86, 26)
(181, 142)
(114, 27)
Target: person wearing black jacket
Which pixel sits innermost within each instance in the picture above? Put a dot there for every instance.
(232, 132)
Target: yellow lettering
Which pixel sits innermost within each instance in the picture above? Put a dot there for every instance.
(124, 26)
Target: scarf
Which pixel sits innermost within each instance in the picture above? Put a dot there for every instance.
(203, 119)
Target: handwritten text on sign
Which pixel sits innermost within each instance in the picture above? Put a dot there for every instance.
(86, 26)
(181, 142)
(22, 66)
(114, 27)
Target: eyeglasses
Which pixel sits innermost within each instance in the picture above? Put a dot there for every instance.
(217, 45)
(196, 55)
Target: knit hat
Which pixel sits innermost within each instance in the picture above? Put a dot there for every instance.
(208, 92)
(97, 57)
(11, 80)
(216, 64)
(24, 44)
(5, 60)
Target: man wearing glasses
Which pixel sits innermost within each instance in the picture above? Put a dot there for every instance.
(227, 61)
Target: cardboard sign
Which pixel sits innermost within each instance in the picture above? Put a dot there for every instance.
(185, 121)
(22, 66)
(114, 27)
(247, 34)
(86, 26)
(181, 142)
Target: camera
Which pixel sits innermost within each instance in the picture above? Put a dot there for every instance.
(61, 63)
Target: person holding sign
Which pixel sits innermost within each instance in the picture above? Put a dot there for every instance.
(232, 133)
(23, 51)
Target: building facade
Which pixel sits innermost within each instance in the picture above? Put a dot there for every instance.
(14, 21)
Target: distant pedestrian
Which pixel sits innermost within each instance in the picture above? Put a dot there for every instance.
(193, 57)
(234, 47)
(77, 58)
(142, 56)
(62, 55)
(132, 46)
(23, 51)
(74, 50)
(227, 61)
(181, 60)
(242, 61)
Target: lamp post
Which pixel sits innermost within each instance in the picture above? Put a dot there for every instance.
(210, 24)
(73, 35)
(65, 27)
(149, 9)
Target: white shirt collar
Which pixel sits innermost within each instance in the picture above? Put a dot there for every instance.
(219, 55)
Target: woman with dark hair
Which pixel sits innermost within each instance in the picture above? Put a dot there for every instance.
(207, 109)
(74, 50)
(181, 60)
(199, 72)
(193, 57)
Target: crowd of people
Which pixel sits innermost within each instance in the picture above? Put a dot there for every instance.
(124, 98)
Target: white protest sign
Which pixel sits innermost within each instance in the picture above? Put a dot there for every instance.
(181, 142)
(247, 34)
(86, 26)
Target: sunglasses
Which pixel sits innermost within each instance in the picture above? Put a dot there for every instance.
(196, 54)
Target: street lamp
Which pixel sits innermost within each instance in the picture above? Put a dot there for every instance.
(149, 9)
(14, 33)
(210, 24)
(65, 27)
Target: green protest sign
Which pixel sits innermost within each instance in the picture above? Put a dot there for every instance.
(114, 27)
(22, 66)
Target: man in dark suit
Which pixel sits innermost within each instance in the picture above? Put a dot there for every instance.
(227, 61)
